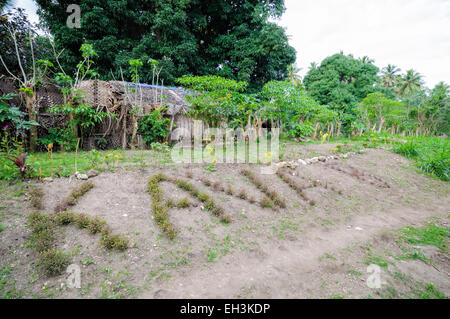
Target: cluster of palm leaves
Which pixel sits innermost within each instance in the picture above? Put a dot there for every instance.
(402, 85)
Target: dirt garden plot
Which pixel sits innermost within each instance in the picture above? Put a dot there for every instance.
(348, 213)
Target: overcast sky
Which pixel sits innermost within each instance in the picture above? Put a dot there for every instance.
(408, 33)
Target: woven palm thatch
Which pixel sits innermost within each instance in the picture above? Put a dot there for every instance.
(151, 97)
(48, 96)
(116, 97)
(99, 94)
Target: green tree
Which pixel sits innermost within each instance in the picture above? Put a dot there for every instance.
(293, 75)
(215, 99)
(389, 76)
(341, 81)
(410, 83)
(377, 110)
(228, 38)
(289, 107)
(436, 111)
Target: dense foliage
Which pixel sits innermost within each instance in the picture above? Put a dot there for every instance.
(233, 39)
(153, 127)
(432, 155)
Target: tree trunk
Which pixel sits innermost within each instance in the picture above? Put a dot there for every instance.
(315, 131)
(170, 128)
(124, 130)
(30, 102)
(374, 126)
(135, 129)
(381, 125)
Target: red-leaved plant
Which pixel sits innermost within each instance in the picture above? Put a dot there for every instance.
(20, 162)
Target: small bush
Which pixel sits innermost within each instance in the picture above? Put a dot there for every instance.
(153, 127)
(170, 230)
(64, 218)
(116, 242)
(206, 181)
(218, 211)
(53, 262)
(82, 220)
(203, 197)
(243, 194)
(36, 196)
(301, 130)
(171, 203)
(183, 203)
(96, 225)
(43, 228)
(210, 205)
(266, 203)
(229, 191)
(226, 219)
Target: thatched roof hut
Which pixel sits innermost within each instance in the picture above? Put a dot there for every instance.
(112, 94)
(118, 96)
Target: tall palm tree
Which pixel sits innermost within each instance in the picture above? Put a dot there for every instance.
(389, 76)
(313, 66)
(410, 83)
(294, 78)
(366, 60)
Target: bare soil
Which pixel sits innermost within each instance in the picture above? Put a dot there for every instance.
(301, 251)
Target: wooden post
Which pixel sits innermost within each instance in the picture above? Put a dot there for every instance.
(124, 127)
(170, 128)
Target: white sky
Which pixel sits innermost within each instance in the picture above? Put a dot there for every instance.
(408, 33)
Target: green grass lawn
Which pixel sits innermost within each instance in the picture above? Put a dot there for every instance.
(432, 156)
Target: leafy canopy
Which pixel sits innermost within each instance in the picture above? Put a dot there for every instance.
(233, 39)
(342, 81)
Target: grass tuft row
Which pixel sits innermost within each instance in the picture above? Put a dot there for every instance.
(295, 186)
(271, 194)
(36, 197)
(95, 225)
(160, 210)
(242, 194)
(51, 261)
(74, 196)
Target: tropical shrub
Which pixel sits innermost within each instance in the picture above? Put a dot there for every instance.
(153, 127)
(63, 137)
(432, 155)
(215, 99)
(301, 130)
